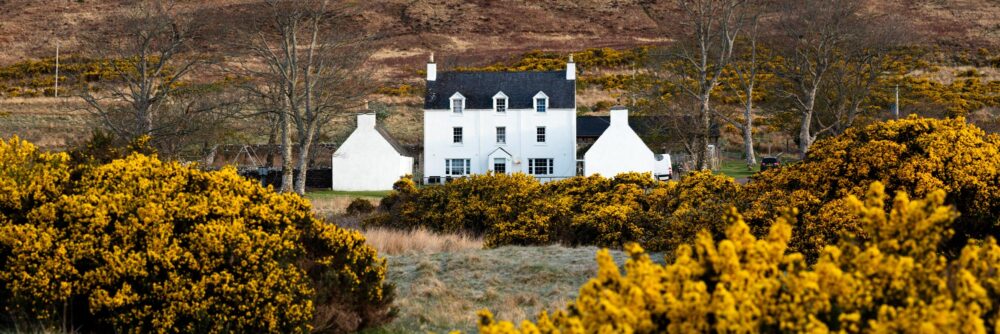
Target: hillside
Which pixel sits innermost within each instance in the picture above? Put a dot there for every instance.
(463, 32)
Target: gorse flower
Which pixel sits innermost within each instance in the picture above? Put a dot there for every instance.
(142, 245)
(893, 281)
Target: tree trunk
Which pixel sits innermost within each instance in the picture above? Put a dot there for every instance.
(706, 132)
(748, 140)
(287, 167)
(305, 145)
(805, 135)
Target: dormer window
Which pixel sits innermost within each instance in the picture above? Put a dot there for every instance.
(541, 102)
(457, 104)
(500, 102)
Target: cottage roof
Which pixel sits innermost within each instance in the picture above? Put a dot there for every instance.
(594, 126)
(478, 88)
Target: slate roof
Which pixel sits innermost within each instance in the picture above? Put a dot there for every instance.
(591, 126)
(520, 87)
(594, 126)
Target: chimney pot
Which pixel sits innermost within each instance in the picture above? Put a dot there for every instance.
(431, 69)
(570, 68)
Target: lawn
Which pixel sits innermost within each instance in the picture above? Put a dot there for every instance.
(328, 203)
(737, 169)
(323, 194)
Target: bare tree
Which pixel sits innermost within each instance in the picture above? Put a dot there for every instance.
(149, 61)
(812, 37)
(316, 56)
(747, 71)
(708, 31)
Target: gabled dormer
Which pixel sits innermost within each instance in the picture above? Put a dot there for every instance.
(500, 103)
(457, 105)
(540, 102)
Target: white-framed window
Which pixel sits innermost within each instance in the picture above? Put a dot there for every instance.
(457, 104)
(457, 167)
(501, 135)
(500, 165)
(500, 103)
(456, 135)
(540, 166)
(541, 102)
(540, 134)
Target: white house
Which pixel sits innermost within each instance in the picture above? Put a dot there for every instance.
(369, 159)
(619, 149)
(503, 122)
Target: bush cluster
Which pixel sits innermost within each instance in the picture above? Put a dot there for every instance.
(586, 60)
(142, 245)
(914, 155)
(893, 281)
(516, 209)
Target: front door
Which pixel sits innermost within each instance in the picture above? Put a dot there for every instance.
(500, 165)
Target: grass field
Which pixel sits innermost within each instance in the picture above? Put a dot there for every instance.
(440, 292)
(737, 169)
(330, 203)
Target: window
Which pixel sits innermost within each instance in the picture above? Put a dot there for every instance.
(500, 165)
(456, 135)
(540, 134)
(540, 104)
(457, 167)
(501, 103)
(457, 105)
(501, 135)
(540, 166)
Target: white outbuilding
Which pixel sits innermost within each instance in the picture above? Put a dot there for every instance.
(369, 159)
(618, 150)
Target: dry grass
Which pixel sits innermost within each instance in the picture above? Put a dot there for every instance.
(398, 242)
(440, 292)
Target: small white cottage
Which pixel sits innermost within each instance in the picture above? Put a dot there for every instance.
(618, 150)
(369, 159)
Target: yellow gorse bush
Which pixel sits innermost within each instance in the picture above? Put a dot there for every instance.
(142, 245)
(516, 209)
(912, 155)
(893, 281)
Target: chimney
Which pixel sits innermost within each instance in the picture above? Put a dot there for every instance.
(432, 69)
(570, 69)
(619, 116)
(366, 121)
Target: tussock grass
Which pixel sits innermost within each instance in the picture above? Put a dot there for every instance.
(440, 292)
(399, 242)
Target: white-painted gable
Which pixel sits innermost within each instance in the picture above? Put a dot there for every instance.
(618, 150)
(367, 160)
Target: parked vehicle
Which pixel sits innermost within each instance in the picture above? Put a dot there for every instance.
(768, 163)
(663, 167)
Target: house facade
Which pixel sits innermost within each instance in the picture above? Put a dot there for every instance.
(504, 122)
(369, 159)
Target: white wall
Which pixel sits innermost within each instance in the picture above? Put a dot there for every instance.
(618, 150)
(479, 132)
(366, 161)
